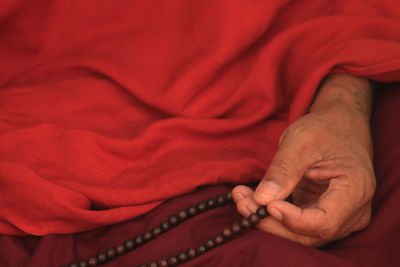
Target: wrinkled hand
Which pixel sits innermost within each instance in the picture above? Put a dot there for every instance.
(324, 162)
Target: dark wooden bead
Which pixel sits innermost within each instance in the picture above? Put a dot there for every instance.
(129, 245)
(253, 219)
(111, 253)
(157, 231)
(212, 203)
(209, 244)
(218, 240)
(235, 228)
(120, 249)
(173, 220)
(244, 223)
(83, 264)
(182, 215)
(165, 226)
(102, 258)
(226, 233)
(92, 262)
(228, 196)
(73, 265)
(139, 240)
(191, 253)
(163, 263)
(201, 206)
(201, 249)
(147, 236)
(173, 261)
(221, 201)
(153, 264)
(182, 257)
(192, 211)
(262, 212)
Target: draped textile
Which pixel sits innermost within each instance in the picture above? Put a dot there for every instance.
(109, 108)
(377, 245)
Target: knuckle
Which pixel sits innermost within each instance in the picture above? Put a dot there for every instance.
(329, 233)
(241, 208)
(244, 204)
(241, 203)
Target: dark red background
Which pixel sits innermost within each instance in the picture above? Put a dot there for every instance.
(378, 245)
(110, 108)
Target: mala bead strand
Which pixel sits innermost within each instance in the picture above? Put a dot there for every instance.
(262, 212)
(173, 221)
(226, 234)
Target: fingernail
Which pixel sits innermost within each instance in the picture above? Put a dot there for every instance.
(267, 189)
(276, 214)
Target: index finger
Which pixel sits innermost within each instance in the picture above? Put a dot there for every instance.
(325, 219)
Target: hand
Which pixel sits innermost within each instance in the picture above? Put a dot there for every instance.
(324, 161)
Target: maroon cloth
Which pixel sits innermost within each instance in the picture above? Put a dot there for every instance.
(109, 108)
(378, 245)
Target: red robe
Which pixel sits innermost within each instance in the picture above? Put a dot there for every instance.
(109, 108)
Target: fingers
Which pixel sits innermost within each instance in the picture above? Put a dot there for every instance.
(331, 218)
(273, 226)
(243, 197)
(326, 220)
(325, 170)
(300, 221)
(285, 171)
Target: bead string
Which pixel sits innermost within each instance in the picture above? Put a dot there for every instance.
(193, 210)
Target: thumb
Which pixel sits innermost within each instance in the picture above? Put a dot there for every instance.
(285, 171)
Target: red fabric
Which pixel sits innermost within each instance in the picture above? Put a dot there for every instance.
(377, 245)
(108, 108)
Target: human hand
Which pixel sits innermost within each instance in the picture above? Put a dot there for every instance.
(324, 161)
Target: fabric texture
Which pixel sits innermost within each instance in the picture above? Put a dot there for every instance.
(377, 245)
(109, 108)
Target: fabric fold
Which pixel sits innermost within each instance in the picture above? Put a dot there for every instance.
(119, 106)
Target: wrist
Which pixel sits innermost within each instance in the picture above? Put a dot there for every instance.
(344, 102)
(346, 92)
